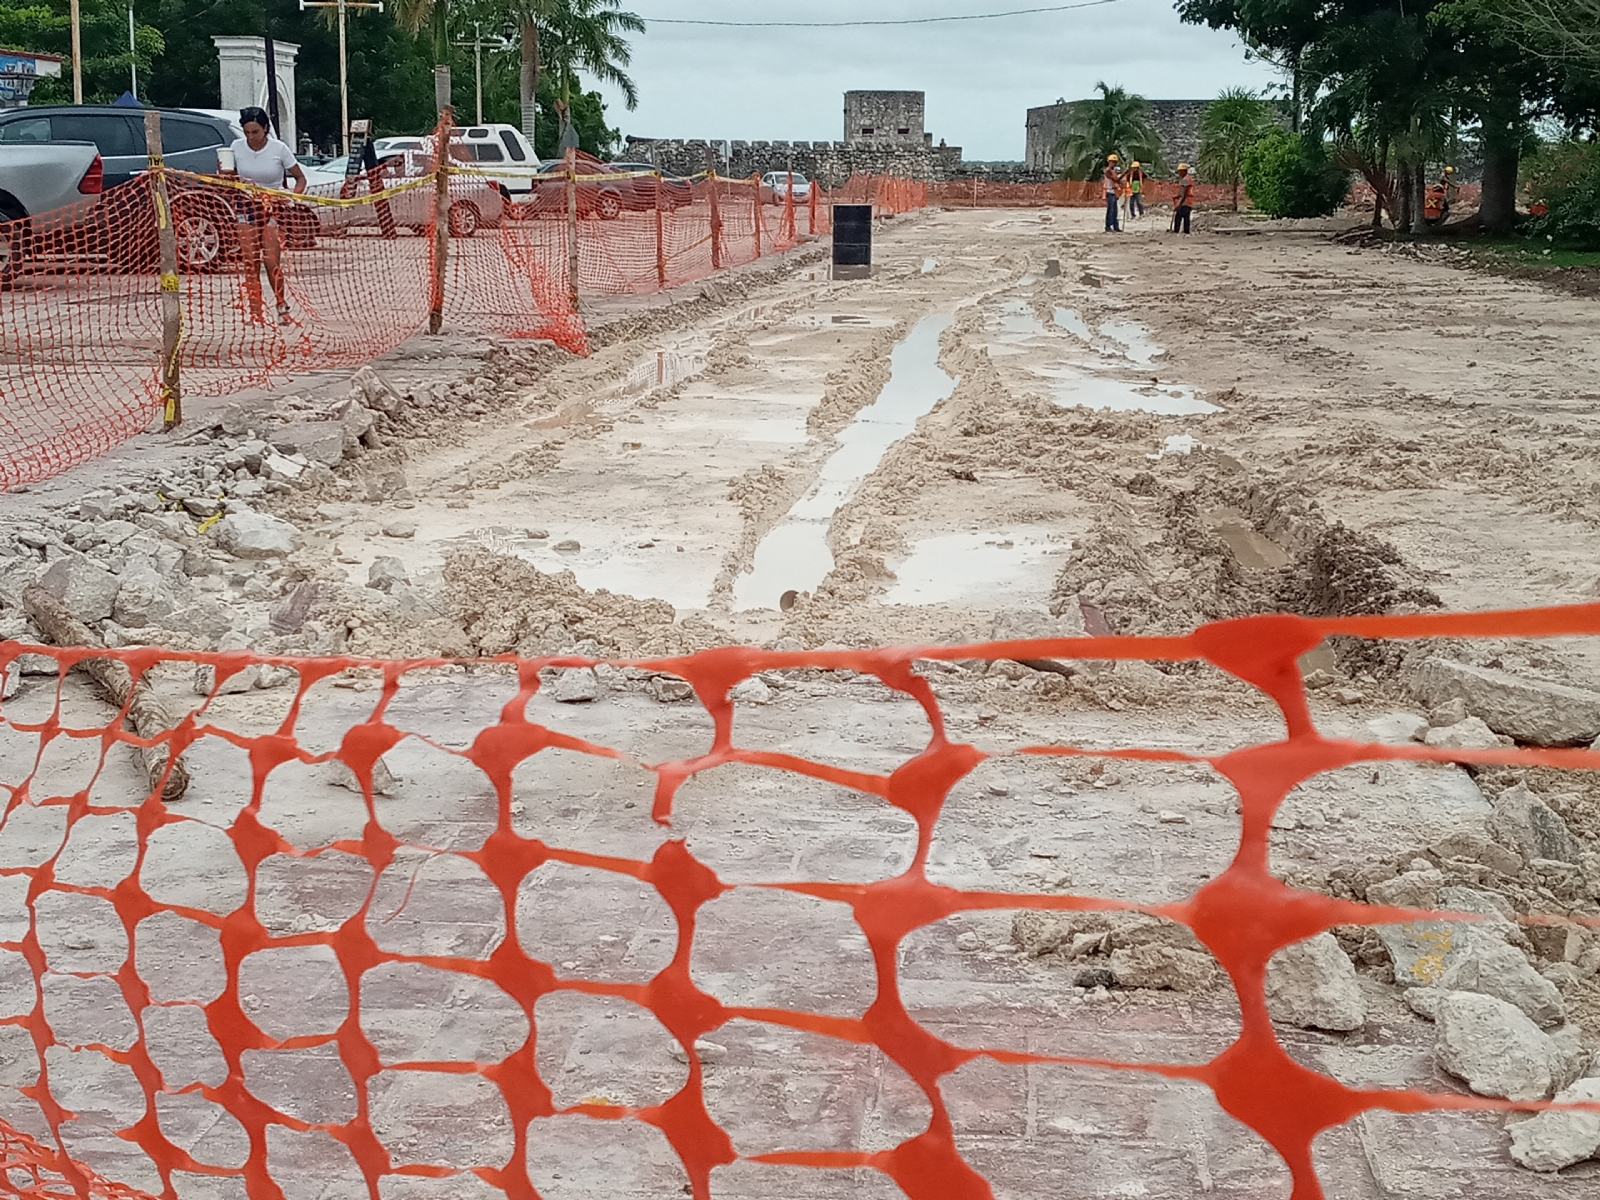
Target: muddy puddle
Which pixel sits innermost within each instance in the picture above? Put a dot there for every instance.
(656, 372)
(1014, 567)
(1075, 388)
(794, 556)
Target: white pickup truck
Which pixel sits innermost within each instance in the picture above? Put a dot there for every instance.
(44, 187)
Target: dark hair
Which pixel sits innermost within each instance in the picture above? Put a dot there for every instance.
(255, 116)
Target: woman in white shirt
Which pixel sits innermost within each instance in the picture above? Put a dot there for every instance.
(262, 159)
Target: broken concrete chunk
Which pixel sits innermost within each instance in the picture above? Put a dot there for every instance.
(145, 598)
(575, 685)
(1313, 984)
(1163, 967)
(1530, 710)
(338, 773)
(1397, 727)
(1424, 1001)
(385, 572)
(1493, 1047)
(750, 691)
(669, 689)
(316, 441)
(1468, 734)
(1471, 846)
(1451, 712)
(1412, 889)
(1422, 950)
(87, 590)
(249, 534)
(1493, 968)
(1531, 827)
(1549, 1141)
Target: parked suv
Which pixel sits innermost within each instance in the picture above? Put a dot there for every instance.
(189, 140)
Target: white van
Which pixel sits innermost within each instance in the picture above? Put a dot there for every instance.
(502, 151)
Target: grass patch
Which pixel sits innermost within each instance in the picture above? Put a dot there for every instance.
(1531, 252)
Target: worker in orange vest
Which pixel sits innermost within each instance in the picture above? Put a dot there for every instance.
(1185, 201)
(1135, 189)
(1112, 179)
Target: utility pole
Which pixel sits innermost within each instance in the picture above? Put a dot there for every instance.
(344, 58)
(77, 54)
(133, 62)
(477, 43)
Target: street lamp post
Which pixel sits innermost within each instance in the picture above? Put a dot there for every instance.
(344, 70)
(477, 43)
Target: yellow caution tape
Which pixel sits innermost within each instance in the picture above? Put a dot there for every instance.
(169, 282)
(386, 193)
(209, 521)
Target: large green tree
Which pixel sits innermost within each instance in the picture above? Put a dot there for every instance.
(1236, 120)
(1394, 79)
(45, 26)
(1117, 123)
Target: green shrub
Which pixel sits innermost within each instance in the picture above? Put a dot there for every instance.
(1290, 176)
(1565, 178)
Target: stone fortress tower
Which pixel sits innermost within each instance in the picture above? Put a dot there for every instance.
(885, 118)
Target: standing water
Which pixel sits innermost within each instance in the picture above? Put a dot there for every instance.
(795, 555)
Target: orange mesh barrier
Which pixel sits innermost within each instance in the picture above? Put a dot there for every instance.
(354, 267)
(1061, 193)
(134, 956)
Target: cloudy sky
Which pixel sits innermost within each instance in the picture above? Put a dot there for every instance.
(980, 76)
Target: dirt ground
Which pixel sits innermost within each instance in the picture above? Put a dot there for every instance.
(1019, 426)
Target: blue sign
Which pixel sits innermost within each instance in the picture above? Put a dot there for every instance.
(19, 71)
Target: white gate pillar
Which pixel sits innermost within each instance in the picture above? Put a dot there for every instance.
(244, 78)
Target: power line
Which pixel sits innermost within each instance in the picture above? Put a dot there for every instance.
(1015, 12)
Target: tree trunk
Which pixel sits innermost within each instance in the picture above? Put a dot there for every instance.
(441, 56)
(1235, 193)
(1402, 187)
(1502, 148)
(441, 86)
(528, 77)
(1418, 184)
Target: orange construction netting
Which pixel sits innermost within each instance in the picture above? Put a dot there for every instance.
(1061, 193)
(130, 952)
(272, 283)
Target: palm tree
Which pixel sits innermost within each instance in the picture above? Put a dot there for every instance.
(587, 36)
(414, 16)
(1117, 123)
(1229, 126)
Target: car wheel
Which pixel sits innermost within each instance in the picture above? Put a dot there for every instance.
(13, 243)
(202, 236)
(464, 219)
(609, 206)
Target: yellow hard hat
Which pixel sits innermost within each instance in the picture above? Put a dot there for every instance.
(1135, 163)
(1183, 167)
(1112, 158)
(1449, 170)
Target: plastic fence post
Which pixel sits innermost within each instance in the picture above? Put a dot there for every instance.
(661, 245)
(716, 225)
(171, 306)
(572, 228)
(441, 213)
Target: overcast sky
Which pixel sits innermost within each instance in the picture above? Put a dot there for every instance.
(980, 76)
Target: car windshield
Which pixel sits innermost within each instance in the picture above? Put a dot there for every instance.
(336, 166)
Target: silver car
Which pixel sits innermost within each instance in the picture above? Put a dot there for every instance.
(474, 203)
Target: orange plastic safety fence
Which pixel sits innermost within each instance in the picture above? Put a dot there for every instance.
(272, 284)
(1061, 193)
(141, 961)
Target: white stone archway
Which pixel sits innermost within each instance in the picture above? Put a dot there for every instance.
(243, 61)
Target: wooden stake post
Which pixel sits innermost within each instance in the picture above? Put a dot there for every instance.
(441, 215)
(716, 225)
(661, 244)
(572, 228)
(755, 210)
(171, 306)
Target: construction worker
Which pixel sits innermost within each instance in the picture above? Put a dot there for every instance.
(1135, 189)
(1184, 204)
(1112, 178)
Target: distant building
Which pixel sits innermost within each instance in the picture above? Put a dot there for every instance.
(19, 70)
(1177, 123)
(885, 118)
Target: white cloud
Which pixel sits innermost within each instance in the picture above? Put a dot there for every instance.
(980, 77)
